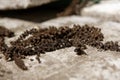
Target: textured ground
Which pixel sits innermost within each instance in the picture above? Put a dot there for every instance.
(64, 64)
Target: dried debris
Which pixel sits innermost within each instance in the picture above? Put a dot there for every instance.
(20, 63)
(51, 39)
(5, 32)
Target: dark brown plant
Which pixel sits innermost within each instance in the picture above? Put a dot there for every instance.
(40, 41)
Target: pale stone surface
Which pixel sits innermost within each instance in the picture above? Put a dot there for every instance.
(64, 64)
(106, 10)
(21, 4)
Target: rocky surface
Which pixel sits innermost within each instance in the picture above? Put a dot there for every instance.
(106, 10)
(64, 64)
(21, 4)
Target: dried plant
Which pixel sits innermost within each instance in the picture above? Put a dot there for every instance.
(51, 39)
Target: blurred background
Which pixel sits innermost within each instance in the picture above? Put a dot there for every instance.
(38, 13)
(37, 10)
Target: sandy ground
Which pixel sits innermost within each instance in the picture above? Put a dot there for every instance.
(64, 64)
